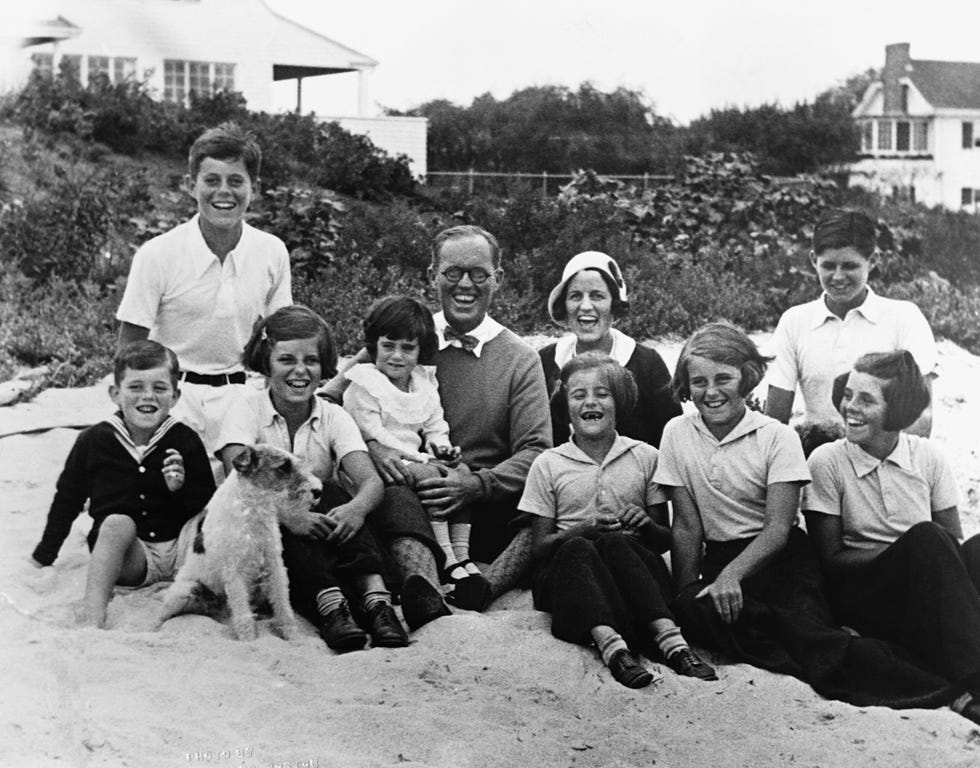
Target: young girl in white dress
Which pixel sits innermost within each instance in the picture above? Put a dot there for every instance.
(395, 401)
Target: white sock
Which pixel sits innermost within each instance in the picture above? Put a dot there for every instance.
(459, 535)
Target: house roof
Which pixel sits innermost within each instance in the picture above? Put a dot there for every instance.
(947, 84)
(36, 31)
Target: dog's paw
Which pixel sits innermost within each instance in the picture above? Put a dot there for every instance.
(288, 630)
(244, 630)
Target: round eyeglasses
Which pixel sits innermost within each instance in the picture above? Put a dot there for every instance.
(478, 275)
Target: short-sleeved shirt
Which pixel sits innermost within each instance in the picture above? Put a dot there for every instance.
(729, 478)
(812, 346)
(879, 499)
(322, 441)
(201, 308)
(567, 485)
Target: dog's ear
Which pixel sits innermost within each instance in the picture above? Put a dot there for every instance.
(285, 466)
(244, 460)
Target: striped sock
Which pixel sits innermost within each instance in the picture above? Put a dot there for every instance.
(376, 596)
(668, 636)
(329, 599)
(608, 641)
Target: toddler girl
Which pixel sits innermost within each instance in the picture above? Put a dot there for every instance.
(599, 523)
(327, 551)
(395, 400)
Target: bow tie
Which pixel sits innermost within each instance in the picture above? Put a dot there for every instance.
(462, 340)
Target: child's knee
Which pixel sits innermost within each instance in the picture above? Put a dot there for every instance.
(118, 529)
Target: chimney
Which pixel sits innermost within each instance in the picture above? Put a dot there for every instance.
(897, 65)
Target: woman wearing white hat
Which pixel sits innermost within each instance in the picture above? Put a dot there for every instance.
(590, 296)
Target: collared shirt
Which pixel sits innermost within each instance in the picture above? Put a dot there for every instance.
(729, 478)
(879, 499)
(487, 330)
(322, 441)
(564, 483)
(622, 348)
(201, 308)
(812, 346)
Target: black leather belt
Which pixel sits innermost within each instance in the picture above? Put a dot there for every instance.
(213, 380)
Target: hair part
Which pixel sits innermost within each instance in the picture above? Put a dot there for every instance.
(143, 355)
(721, 343)
(226, 141)
(288, 324)
(619, 307)
(845, 228)
(401, 317)
(905, 389)
(461, 232)
(620, 381)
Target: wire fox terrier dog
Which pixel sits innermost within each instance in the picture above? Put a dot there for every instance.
(237, 553)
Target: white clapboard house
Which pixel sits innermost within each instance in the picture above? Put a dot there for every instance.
(180, 46)
(920, 131)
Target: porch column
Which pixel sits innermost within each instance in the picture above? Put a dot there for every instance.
(362, 92)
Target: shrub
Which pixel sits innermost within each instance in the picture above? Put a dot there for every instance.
(68, 326)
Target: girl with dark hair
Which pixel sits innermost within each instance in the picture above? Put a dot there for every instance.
(329, 553)
(883, 512)
(395, 401)
(748, 577)
(599, 522)
(587, 301)
(816, 341)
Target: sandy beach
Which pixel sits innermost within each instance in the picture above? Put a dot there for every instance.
(471, 690)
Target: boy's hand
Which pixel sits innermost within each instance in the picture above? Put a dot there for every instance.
(726, 596)
(173, 470)
(309, 525)
(450, 454)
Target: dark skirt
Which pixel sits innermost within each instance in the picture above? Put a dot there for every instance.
(919, 594)
(786, 626)
(314, 565)
(612, 580)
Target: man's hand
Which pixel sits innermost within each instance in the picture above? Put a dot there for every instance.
(388, 462)
(173, 470)
(448, 494)
(346, 521)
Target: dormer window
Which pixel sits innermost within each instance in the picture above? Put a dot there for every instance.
(904, 100)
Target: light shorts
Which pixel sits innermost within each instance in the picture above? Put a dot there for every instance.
(164, 558)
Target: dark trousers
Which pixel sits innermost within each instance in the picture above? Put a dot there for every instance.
(921, 593)
(314, 565)
(612, 580)
(786, 626)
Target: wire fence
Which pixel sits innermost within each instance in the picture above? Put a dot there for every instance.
(482, 182)
(501, 182)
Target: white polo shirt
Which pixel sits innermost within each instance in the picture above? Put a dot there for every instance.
(200, 308)
(879, 499)
(812, 346)
(729, 478)
(321, 441)
(564, 483)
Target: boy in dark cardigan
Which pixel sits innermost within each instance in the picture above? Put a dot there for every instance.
(145, 476)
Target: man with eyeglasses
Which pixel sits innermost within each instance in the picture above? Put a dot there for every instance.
(493, 393)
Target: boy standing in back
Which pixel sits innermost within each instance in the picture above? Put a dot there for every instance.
(200, 287)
